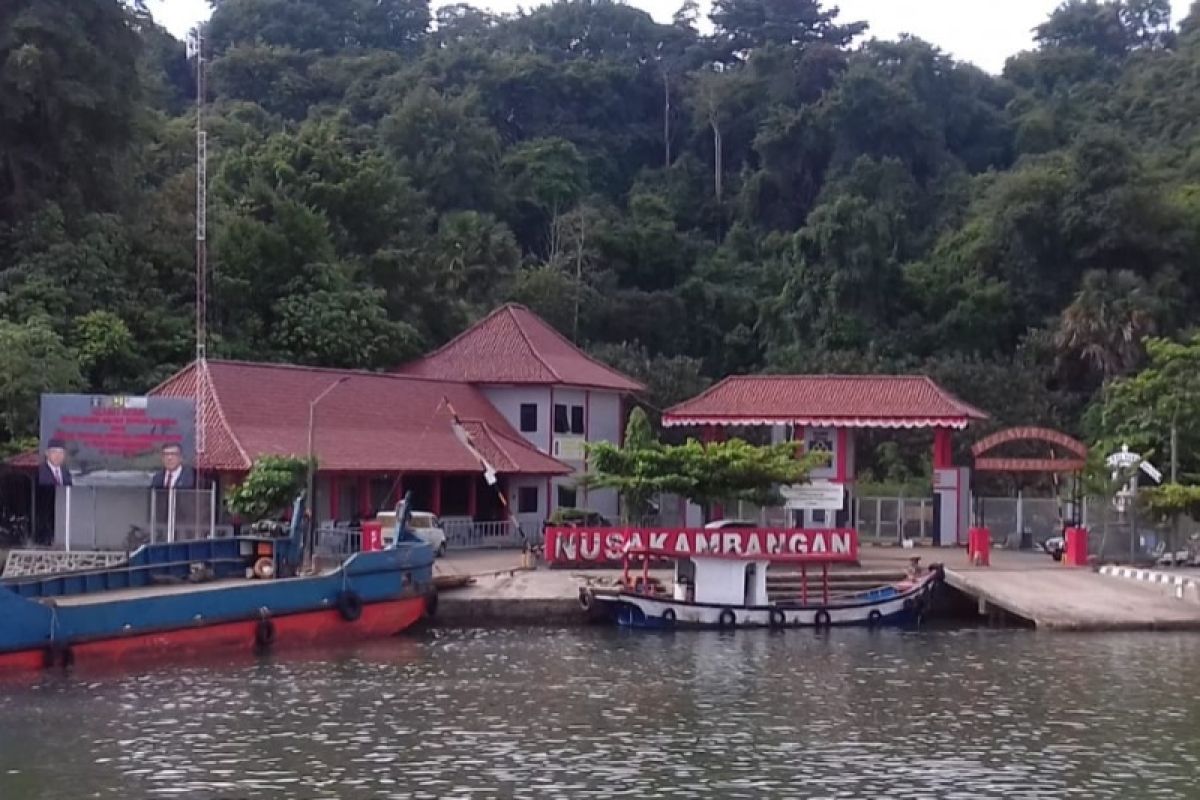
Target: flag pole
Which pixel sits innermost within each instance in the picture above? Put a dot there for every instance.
(489, 472)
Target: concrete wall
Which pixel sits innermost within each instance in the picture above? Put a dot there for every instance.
(508, 401)
(603, 422)
(531, 522)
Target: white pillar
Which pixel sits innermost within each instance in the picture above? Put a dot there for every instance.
(67, 520)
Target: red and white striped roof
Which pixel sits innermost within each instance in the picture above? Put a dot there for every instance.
(834, 401)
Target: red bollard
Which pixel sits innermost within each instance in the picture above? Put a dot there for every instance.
(372, 537)
(979, 547)
(1075, 550)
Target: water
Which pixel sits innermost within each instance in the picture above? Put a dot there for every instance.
(598, 713)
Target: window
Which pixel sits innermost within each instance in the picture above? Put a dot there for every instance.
(561, 423)
(527, 500)
(529, 417)
(566, 496)
(577, 419)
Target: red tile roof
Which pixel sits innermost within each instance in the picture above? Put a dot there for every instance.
(371, 422)
(512, 345)
(852, 401)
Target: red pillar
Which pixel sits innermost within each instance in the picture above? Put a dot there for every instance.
(436, 502)
(472, 501)
(842, 440)
(364, 496)
(943, 453)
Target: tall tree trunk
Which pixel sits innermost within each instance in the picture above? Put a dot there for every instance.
(716, 157)
(555, 238)
(1175, 448)
(579, 273)
(666, 119)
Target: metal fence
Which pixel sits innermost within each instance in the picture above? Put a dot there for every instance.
(337, 542)
(890, 519)
(463, 534)
(1016, 520)
(125, 518)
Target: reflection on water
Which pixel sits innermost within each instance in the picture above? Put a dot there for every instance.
(597, 713)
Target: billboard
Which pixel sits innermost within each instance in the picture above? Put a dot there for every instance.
(596, 546)
(85, 433)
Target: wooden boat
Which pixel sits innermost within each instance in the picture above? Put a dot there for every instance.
(729, 590)
(241, 593)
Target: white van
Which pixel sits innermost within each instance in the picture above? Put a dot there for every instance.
(423, 524)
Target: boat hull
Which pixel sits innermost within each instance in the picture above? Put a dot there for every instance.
(886, 607)
(243, 636)
(369, 595)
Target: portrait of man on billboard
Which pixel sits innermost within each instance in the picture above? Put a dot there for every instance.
(53, 470)
(174, 473)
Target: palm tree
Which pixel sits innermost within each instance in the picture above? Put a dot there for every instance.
(1105, 324)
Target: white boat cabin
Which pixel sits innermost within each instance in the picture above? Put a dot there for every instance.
(721, 581)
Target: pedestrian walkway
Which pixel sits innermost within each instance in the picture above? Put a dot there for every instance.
(1051, 596)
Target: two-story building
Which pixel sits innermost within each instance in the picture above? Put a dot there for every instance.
(557, 397)
(509, 398)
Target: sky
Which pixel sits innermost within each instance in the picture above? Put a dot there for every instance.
(985, 32)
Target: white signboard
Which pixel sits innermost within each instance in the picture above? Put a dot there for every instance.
(823, 495)
(569, 448)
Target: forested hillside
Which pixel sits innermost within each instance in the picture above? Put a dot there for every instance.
(785, 194)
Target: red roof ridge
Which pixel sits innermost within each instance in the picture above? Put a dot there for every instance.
(511, 308)
(464, 332)
(220, 409)
(566, 341)
(952, 397)
(498, 438)
(824, 397)
(363, 373)
(541, 343)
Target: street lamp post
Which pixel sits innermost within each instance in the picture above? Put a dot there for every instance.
(312, 505)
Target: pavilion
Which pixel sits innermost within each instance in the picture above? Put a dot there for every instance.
(825, 412)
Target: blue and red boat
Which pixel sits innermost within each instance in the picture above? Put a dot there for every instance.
(244, 593)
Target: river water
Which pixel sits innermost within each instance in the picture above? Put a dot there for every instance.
(598, 713)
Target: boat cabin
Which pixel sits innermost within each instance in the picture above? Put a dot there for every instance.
(731, 570)
(721, 581)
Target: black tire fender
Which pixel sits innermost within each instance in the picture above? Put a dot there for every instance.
(777, 619)
(265, 633)
(669, 616)
(822, 619)
(349, 605)
(727, 619)
(875, 618)
(431, 604)
(585, 598)
(58, 654)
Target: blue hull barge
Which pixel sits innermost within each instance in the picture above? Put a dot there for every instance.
(238, 594)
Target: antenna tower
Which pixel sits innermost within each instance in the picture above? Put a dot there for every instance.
(201, 361)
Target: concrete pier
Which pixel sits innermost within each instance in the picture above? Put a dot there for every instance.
(1028, 586)
(505, 594)
(1034, 588)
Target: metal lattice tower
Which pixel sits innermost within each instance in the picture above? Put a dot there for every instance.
(201, 361)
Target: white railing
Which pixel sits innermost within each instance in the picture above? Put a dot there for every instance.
(463, 534)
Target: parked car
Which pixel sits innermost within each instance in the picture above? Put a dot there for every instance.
(425, 525)
(578, 518)
(721, 524)
(1055, 546)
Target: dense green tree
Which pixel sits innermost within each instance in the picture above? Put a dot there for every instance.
(34, 361)
(684, 203)
(68, 94)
